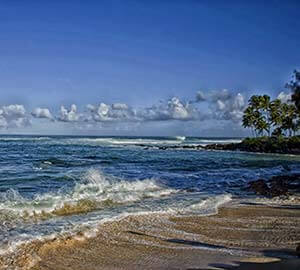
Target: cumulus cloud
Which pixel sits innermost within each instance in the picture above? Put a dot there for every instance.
(285, 97)
(119, 106)
(42, 113)
(174, 109)
(69, 115)
(111, 113)
(222, 95)
(227, 106)
(14, 110)
(219, 105)
(13, 116)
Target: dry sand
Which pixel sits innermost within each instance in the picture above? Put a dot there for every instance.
(264, 236)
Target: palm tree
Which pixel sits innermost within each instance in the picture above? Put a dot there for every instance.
(275, 113)
(289, 115)
(292, 114)
(255, 102)
(249, 119)
(260, 113)
(265, 111)
(277, 132)
(263, 115)
(264, 102)
(262, 125)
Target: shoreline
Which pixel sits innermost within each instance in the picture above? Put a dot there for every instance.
(230, 147)
(237, 233)
(268, 145)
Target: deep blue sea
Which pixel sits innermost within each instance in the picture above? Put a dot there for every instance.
(55, 185)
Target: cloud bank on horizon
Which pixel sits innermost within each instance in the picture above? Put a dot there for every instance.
(220, 105)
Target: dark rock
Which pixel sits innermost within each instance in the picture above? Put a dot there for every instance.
(280, 185)
(259, 187)
(290, 182)
(278, 189)
(298, 250)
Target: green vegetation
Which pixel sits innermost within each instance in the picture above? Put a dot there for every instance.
(265, 144)
(279, 144)
(273, 117)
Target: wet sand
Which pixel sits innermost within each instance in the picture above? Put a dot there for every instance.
(265, 236)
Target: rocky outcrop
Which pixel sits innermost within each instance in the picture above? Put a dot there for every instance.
(172, 147)
(276, 186)
(298, 250)
(259, 187)
(280, 145)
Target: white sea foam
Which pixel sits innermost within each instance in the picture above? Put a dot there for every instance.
(121, 141)
(180, 138)
(95, 187)
(118, 141)
(147, 141)
(224, 141)
(89, 227)
(24, 138)
(95, 190)
(208, 206)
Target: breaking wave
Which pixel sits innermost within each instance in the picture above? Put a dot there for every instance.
(180, 138)
(95, 191)
(208, 206)
(95, 199)
(121, 141)
(219, 141)
(24, 138)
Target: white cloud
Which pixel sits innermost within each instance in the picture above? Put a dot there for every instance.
(13, 116)
(219, 105)
(3, 122)
(15, 110)
(285, 97)
(42, 113)
(119, 106)
(174, 109)
(221, 95)
(69, 115)
(227, 106)
(111, 113)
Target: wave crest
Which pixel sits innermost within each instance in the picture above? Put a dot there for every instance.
(209, 206)
(95, 191)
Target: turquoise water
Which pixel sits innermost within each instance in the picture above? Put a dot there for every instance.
(53, 185)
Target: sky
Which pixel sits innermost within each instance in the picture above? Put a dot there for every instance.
(137, 67)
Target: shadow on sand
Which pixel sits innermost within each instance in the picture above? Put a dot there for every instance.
(288, 261)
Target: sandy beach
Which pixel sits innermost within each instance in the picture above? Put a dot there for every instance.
(260, 235)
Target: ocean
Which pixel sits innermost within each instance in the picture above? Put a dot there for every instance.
(52, 186)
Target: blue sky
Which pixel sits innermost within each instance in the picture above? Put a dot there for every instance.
(141, 54)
